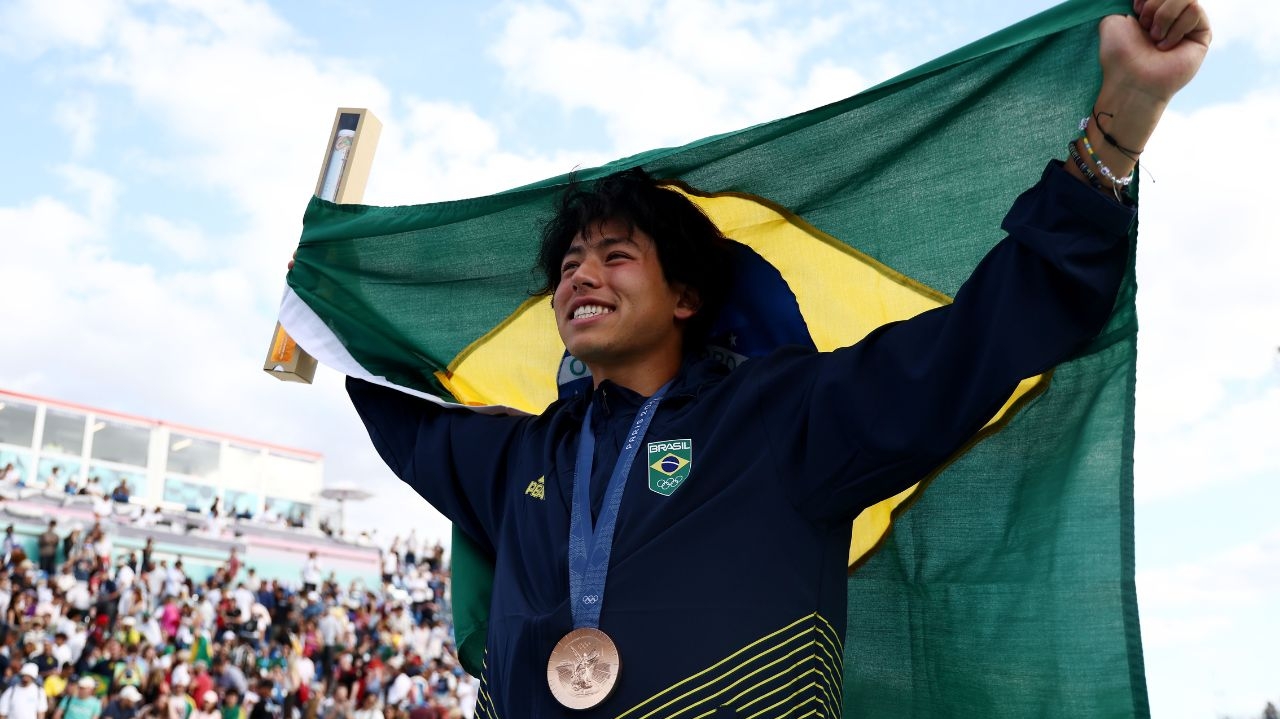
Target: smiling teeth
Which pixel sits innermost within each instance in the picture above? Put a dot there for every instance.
(590, 311)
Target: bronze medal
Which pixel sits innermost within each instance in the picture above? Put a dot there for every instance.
(583, 668)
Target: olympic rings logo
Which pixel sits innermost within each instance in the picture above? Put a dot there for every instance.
(590, 598)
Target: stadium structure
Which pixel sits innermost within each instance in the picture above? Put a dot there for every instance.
(196, 493)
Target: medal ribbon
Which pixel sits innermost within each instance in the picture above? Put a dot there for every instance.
(590, 547)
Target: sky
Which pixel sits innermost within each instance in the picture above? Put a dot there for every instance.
(159, 153)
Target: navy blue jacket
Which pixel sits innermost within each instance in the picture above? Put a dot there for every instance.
(730, 594)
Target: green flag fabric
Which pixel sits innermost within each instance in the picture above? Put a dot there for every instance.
(1006, 589)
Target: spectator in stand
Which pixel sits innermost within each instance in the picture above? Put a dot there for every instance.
(56, 684)
(390, 566)
(159, 694)
(233, 565)
(170, 616)
(148, 554)
(26, 699)
(70, 543)
(47, 548)
(93, 488)
(149, 629)
(8, 546)
(231, 707)
(264, 704)
(311, 572)
(10, 476)
(317, 648)
(45, 662)
(120, 494)
(180, 704)
(124, 706)
(368, 707)
(104, 547)
(208, 706)
(61, 649)
(201, 681)
(81, 704)
(270, 515)
(229, 678)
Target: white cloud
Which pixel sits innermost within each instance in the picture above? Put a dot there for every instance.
(444, 151)
(101, 191)
(1207, 626)
(1208, 377)
(1256, 24)
(1247, 575)
(246, 110)
(29, 28)
(670, 72)
(1236, 442)
(79, 117)
(185, 240)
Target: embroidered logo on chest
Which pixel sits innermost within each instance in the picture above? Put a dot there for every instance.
(537, 489)
(670, 461)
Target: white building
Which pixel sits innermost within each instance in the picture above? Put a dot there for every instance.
(268, 494)
(51, 442)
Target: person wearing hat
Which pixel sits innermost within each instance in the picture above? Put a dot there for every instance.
(26, 699)
(125, 705)
(180, 704)
(80, 703)
(127, 632)
(208, 708)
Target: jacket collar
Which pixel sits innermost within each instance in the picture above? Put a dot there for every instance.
(695, 375)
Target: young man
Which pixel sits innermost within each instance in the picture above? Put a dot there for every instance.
(26, 699)
(766, 465)
(82, 704)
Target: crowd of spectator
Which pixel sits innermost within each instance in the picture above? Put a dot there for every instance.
(90, 632)
(205, 516)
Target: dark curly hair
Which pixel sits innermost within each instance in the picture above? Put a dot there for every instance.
(691, 249)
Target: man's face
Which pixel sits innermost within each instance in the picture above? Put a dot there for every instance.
(613, 306)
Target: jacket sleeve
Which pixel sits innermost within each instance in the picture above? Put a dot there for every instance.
(456, 459)
(865, 422)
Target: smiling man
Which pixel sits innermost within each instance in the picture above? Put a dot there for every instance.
(629, 521)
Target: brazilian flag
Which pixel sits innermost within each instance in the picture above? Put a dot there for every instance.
(1007, 588)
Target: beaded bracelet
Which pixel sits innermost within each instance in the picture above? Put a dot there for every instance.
(1102, 168)
(1083, 166)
